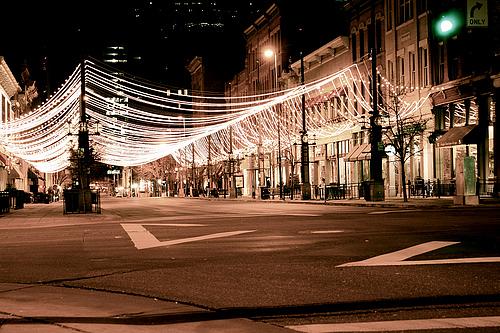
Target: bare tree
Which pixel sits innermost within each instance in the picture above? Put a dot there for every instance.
(159, 169)
(402, 131)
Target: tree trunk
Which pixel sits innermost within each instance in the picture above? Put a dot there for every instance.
(403, 180)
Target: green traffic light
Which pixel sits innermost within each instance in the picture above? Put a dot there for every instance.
(448, 24)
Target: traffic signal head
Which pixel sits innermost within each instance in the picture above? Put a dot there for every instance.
(448, 24)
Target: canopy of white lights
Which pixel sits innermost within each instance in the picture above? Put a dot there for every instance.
(138, 121)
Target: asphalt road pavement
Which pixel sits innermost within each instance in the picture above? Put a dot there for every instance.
(288, 264)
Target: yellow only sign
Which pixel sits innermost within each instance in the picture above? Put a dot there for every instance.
(477, 13)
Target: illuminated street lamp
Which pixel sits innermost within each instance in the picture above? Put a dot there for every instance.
(268, 53)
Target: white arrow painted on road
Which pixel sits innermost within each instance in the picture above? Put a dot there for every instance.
(398, 258)
(143, 239)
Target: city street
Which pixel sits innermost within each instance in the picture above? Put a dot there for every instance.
(282, 263)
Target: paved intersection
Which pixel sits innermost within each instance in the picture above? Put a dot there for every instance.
(221, 261)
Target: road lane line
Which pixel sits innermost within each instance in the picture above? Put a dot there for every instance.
(171, 224)
(283, 214)
(327, 231)
(394, 211)
(401, 325)
(143, 239)
(397, 258)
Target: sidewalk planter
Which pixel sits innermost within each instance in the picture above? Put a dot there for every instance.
(19, 199)
(12, 198)
(41, 197)
(265, 193)
(4, 202)
(81, 201)
(373, 190)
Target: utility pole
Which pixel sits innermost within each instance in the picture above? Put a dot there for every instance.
(304, 156)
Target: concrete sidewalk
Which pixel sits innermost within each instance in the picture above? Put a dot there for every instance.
(51, 309)
(387, 203)
(390, 202)
(49, 215)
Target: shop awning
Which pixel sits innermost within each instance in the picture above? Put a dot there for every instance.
(366, 152)
(463, 135)
(359, 153)
(3, 160)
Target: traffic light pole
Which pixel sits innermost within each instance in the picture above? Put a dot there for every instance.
(376, 188)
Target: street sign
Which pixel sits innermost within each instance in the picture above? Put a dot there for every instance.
(477, 13)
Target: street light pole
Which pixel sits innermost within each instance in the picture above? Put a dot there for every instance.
(280, 172)
(83, 134)
(376, 131)
(377, 182)
(233, 191)
(304, 156)
(268, 53)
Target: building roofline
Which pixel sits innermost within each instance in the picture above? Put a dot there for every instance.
(271, 12)
(7, 79)
(327, 48)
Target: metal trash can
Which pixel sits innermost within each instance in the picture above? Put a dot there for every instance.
(265, 193)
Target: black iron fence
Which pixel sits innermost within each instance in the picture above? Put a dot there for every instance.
(430, 188)
(486, 188)
(417, 188)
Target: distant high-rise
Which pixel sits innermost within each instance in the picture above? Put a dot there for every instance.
(157, 39)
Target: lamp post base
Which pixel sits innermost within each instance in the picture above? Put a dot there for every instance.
(306, 191)
(375, 191)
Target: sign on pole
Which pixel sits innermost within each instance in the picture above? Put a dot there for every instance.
(477, 13)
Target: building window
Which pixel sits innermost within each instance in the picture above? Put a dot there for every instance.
(390, 71)
(401, 71)
(454, 59)
(405, 11)
(363, 92)
(440, 64)
(413, 71)
(361, 43)
(4, 110)
(421, 6)
(389, 15)
(378, 35)
(345, 103)
(353, 47)
(424, 66)
(355, 93)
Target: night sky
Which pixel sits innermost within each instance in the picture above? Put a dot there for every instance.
(61, 32)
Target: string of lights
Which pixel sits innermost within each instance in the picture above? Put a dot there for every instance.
(139, 121)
